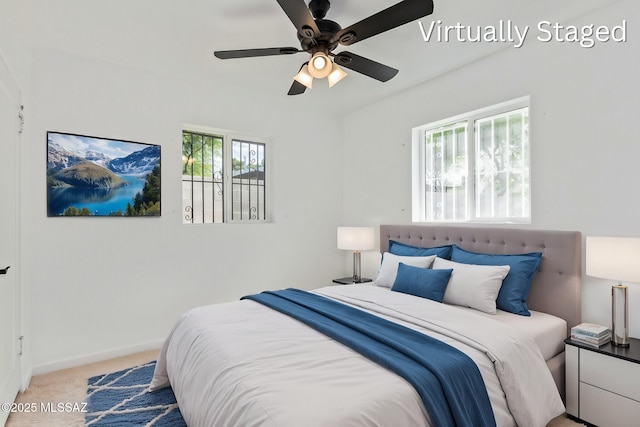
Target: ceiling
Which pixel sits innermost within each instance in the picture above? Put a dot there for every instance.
(177, 39)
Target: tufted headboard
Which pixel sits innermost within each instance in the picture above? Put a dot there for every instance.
(556, 286)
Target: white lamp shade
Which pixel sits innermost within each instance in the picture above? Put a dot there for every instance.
(356, 238)
(616, 258)
(303, 77)
(336, 75)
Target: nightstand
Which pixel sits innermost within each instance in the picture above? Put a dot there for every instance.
(603, 384)
(349, 280)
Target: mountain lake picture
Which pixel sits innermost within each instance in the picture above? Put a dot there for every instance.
(91, 176)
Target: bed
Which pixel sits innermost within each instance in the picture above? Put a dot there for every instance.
(243, 363)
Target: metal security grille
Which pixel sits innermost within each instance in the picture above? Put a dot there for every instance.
(502, 165)
(248, 181)
(474, 167)
(446, 173)
(202, 178)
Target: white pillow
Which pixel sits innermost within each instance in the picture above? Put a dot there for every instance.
(472, 285)
(389, 267)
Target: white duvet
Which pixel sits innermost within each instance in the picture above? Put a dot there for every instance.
(243, 364)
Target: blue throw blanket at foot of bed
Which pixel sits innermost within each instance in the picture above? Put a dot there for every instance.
(446, 379)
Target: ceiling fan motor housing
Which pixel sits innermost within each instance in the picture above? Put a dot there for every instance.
(319, 8)
(328, 30)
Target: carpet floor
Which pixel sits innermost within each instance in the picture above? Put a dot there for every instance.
(69, 386)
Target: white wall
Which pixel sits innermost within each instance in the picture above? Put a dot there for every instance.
(584, 117)
(104, 286)
(15, 36)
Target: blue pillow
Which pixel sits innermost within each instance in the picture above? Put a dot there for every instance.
(402, 249)
(515, 287)
(422, 282)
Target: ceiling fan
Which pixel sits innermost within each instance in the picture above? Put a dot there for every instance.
(320, 37)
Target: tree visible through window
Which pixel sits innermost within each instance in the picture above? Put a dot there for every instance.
(502, 165)
(446, 173)
(474, 167)
(205, 185)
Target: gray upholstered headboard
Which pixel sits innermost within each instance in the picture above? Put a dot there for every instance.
(556, 286)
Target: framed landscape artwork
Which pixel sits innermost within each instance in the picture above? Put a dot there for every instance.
(92, 176)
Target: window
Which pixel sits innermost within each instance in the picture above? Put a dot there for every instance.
(474, 167)
(209, 193)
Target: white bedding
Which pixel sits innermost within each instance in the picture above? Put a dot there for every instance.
(243, 364)
(546, 330)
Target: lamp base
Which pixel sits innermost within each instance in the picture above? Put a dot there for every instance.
(619, 316)
(351, 280)
(620, 344)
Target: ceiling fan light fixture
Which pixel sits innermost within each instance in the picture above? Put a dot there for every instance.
(336, 75)
(320, 65)
(319, 62)
(304, 77)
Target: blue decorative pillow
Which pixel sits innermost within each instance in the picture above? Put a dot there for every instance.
(515, 287)
(397, 248)
(421, 282)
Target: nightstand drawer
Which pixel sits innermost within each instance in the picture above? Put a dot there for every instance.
(605, 409)
(610, 373)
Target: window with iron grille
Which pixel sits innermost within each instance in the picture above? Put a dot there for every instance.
(248, 180)
(474, 167)
(224, 178)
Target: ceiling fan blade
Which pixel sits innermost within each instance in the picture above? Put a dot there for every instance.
(365, 66)
(299, 14)
(392, 17)
(248, 53)
(296, 88)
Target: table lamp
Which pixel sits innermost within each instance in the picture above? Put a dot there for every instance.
(615, 258)
(355, 239)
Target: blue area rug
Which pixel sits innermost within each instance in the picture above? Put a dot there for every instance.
(123, 399)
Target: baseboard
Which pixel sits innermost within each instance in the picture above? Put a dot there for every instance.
(73, 362)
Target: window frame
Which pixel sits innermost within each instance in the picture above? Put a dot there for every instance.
(228, 137)
(418, 168)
